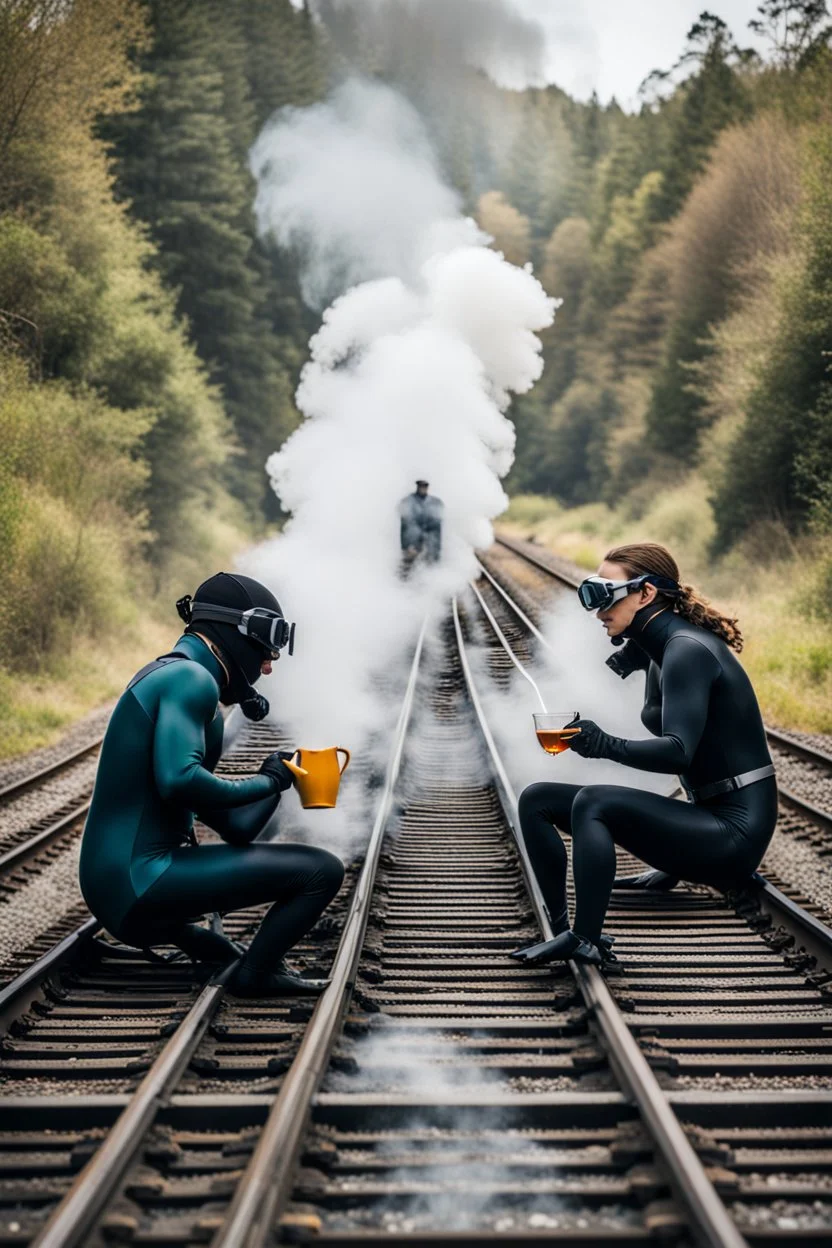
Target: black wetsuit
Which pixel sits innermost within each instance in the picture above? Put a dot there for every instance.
(142, 872)
(707, 726)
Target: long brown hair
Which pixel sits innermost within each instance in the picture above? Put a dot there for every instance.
(643, 557)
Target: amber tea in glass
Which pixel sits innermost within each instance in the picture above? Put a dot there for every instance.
(554, 730)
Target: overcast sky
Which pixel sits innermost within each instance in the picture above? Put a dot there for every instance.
(611, 45)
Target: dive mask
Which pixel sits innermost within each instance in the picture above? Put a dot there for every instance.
(597, 593)
(269, 629)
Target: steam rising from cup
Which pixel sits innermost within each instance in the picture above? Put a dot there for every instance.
(429, 334)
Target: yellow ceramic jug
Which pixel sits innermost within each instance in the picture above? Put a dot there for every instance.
(318, 776)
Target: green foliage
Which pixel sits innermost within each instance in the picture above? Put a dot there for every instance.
(285, 58)
(711, 99)
(630, 231)
(813, 465)
(69, 484)
(61, 63)
(49, 308)
(102, 399)
(508, 227)
(797, 30)
(694, 266)
(212, 73)
(570, 461)
(779, 465)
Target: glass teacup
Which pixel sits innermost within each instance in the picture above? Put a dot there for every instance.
(554, 730)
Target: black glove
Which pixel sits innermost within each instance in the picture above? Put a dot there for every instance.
(274, 766)
(630, 658)
(591, 741)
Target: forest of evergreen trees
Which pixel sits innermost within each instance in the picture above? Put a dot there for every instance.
(150, 343)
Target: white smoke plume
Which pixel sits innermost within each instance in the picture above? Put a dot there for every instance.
(351, 184)
(409, 376)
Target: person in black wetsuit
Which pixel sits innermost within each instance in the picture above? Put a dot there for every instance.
(707, 728)
(142, 872)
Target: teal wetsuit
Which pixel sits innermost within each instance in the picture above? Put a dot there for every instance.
(142, 872)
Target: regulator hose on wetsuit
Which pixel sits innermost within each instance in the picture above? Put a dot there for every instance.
(628, 659)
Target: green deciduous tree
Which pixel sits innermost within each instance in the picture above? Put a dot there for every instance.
(734, 214)
(796, 30)
(777, 465)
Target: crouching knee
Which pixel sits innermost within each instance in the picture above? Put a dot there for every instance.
(329, 871)
(593, 802)
(535, 799)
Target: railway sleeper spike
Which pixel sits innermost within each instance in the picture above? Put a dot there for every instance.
(664, 1222)
(321, 1154)
(800, 960)
(162, 1150)
(778, 939)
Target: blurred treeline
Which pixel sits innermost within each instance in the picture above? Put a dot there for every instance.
(691, 244)
(148, 344)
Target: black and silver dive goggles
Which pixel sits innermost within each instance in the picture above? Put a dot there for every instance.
(269, 629)
(597, 593)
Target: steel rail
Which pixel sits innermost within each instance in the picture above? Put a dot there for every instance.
(26, 849)
(801, 807)
(265, 1186)
(530, 625)
(19, 853)
(29, 979)
(812, 931)
(510, 544)
(505, 644)
(18, 787)
(73, 1218)
(809, 753)
(710, 1221)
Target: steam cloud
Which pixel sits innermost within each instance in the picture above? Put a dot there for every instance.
(352, 186)
(494, 36)
(409, 376)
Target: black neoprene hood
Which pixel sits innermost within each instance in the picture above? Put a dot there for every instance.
(228, 589)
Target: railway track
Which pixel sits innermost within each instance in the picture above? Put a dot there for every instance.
(16, 788)
(804, 767)
(42, 812)
(475, 1104)
(437, 1092)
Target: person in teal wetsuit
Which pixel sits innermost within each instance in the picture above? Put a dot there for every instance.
(142, 872)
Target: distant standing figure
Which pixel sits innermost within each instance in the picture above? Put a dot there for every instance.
(421, 526)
